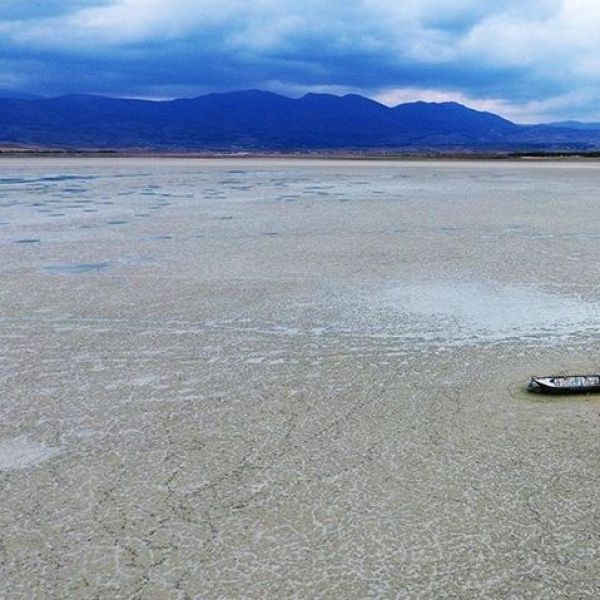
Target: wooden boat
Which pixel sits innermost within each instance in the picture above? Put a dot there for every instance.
(566, 384)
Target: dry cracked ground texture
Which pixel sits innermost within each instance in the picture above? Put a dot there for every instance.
(212, 385)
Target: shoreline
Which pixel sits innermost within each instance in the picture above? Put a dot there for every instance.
(18, 152)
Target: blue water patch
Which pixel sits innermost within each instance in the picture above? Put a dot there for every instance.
(51, 178)
(12, 180)
(28, 241)
(77, 268)
(66, 178)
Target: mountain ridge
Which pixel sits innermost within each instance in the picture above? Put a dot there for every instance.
(256, 120)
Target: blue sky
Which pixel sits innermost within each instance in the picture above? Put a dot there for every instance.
(528, 60)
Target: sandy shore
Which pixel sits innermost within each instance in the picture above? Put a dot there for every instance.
(271, 379)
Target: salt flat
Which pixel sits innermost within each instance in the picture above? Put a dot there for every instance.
(276, 378)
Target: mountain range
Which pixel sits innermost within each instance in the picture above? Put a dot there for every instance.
(258, 121)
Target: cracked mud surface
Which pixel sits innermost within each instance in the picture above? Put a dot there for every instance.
(273, 379)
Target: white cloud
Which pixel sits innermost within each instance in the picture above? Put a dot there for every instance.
(133, 21)
(533, 111)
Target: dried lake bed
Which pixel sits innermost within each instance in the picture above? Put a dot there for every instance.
(297, 378)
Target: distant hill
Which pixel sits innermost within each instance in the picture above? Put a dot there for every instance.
(263, 121)
(6, 93)
(575, 125)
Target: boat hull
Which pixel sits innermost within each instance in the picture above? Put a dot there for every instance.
(566, 384)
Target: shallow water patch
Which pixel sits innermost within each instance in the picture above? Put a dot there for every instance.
(12, 180)
(48, 178)
(28, 241)
(77, 268)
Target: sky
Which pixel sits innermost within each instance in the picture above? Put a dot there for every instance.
(527, 60)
